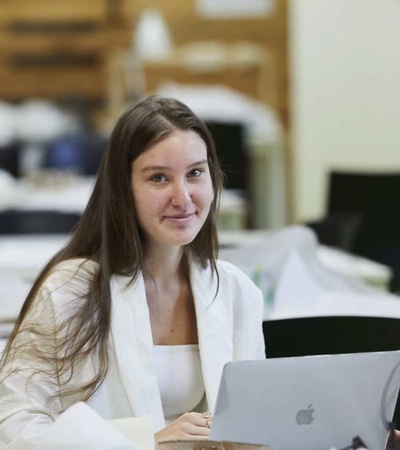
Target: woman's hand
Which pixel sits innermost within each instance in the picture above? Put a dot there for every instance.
(190, 425)
(393, 442)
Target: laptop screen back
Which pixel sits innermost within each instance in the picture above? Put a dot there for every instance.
(307, 403)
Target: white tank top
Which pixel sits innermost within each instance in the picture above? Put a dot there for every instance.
(180, 378)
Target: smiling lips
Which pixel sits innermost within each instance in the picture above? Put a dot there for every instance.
(180, 217)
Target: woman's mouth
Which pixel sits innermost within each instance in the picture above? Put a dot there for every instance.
(180, 217)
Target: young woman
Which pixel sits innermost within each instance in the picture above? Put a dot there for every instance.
(135, 316)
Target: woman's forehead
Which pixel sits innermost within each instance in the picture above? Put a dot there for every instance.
(178, 146)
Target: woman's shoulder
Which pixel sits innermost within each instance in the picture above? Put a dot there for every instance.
(67, 280)
(61, 291)
(72, 269)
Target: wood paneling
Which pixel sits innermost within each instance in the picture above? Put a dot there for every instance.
(270, 32)
(91, 30)
(53, 48)
(252, 79)
(53, 10)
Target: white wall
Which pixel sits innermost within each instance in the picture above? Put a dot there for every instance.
(345, 64)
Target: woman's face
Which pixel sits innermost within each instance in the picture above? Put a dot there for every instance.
(172, 189)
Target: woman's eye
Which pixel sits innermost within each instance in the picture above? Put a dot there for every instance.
(158, 178)
(195, 173)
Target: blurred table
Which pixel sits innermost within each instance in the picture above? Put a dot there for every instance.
(339, 261)
(48, 191)
(27, 254)
(23, 256)
(371, 272)
(70, 193)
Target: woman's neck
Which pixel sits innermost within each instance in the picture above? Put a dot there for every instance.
(165, 265)
(170, 299)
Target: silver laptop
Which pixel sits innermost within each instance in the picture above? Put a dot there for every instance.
(310, 402)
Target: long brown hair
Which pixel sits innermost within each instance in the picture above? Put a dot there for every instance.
(109, 234)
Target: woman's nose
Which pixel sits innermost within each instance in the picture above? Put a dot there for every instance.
(180, 195)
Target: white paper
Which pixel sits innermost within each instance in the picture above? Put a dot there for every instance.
(298, 292)
(138, 429)
(298, 284)
(303, 292)
(81, 428)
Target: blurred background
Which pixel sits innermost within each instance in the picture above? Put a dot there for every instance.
(301, 97)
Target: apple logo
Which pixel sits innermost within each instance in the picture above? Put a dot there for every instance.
(305, 416)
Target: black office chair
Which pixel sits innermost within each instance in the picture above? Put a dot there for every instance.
(332, 335)
(10, 159)
(229, 140)
(14, 221)
(363, 217)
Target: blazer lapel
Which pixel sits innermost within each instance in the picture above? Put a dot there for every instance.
(133, 344)
(214, 327)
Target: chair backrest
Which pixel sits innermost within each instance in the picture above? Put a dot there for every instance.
(332, 335)
(10, 159)
(338, 229)
(229, 140)
(376, 197)
(14, 221)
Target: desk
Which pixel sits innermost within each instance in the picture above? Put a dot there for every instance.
(58, 192)
(26, 255)
(337, 260)
(299, 277)
(70, 193)
(22, 258)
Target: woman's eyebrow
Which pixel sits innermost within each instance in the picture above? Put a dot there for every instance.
(151, 168)
(198, 163)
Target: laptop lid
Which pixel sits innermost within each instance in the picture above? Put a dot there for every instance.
(310, 402)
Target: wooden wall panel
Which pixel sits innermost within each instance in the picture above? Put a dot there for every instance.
(51, 82)
(254, 80)
(270, 32)
(51, 10)
(53, 48)
(110, 28)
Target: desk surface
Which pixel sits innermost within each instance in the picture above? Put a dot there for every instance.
(70, 193)
(28, 253)
(22, 258)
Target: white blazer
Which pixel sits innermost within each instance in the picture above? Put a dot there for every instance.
(229, 327)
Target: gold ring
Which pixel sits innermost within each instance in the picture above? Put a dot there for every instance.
(207, 418)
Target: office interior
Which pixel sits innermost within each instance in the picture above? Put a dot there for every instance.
(302, 99)
(297, 94)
